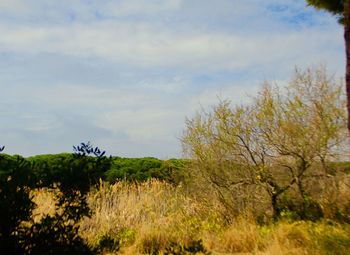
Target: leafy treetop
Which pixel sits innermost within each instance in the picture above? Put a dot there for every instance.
(336, 7)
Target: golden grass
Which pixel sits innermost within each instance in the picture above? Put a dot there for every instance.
(149, 217)
(45, 199)
(155, 212)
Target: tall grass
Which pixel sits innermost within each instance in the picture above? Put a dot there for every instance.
(156, 218)
(146, 216)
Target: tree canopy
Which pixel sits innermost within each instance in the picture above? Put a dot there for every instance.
(335, 7)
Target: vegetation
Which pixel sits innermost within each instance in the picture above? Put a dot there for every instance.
(56, 233)
(263, 178)
(114, 169)
(155, 217)
(254, 156)
(142, 169)
(16, 205)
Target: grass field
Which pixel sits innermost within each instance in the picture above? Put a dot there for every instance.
(157, 218)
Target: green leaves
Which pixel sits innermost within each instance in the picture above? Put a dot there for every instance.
(333, 6)
(336, 7)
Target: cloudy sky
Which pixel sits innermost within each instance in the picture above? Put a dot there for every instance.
(124, 74)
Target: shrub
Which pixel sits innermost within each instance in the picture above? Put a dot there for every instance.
(253, 154)
(72, 178)
(16, 205)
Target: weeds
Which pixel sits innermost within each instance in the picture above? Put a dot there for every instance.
(157, 218)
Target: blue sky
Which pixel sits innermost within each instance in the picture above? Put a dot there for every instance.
(124, 74)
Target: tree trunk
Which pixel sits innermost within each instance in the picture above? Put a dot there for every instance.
(347, 49)
(275, 210)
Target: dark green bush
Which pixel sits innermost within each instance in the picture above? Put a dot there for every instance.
(132, 169)
(73, 175)
(16, 205)
(142, 169)
(300, 208)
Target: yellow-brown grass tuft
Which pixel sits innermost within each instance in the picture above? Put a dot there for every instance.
(154, 216)
(156, 212)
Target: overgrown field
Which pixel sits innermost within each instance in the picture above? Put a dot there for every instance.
(155, 217)
(263, 178)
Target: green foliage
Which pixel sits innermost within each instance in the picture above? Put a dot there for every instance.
(330, 238)
(300, 209)
(60, 168)
(142, 169)
(112, 242)
(175, 170)
(55, 235)
(133, 169)
(69, 170)
(15, 202)
(341, 166)
(343, 214)
(336, 7)
(73, 175)
(333, 6)
(107, 243)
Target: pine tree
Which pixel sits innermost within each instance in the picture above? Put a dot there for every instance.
(340, 8)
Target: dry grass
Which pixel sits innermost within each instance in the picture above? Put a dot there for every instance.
(45, 199)
(147, 218)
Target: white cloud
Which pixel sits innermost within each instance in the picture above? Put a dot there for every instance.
(143, 46)
(130, 7)
(82, 10)
(126, 73)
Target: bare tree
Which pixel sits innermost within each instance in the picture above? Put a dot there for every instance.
(269, 145)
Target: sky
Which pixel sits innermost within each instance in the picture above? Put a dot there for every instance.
(125, 74)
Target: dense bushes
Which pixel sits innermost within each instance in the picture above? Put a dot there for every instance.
(69, 178)
(157, 218)
(135, 169)
(72, 177)
(54, 168)
(16, 179)
(142, 169)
